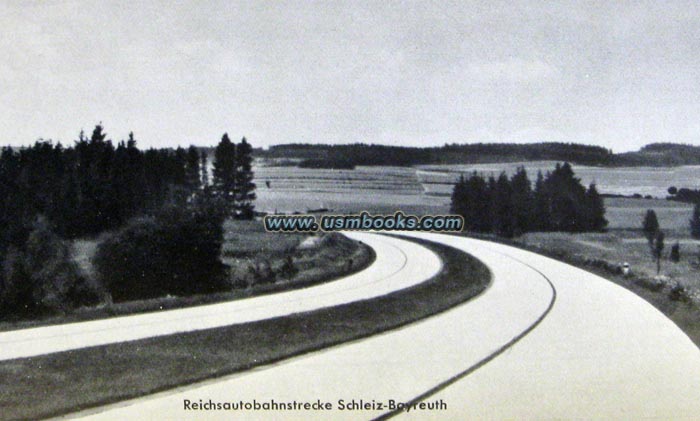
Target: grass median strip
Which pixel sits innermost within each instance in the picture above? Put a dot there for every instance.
(65, 382)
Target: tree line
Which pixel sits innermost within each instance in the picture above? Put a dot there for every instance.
(92, 186)
(162, 214)
(350, 155)
(511, 206)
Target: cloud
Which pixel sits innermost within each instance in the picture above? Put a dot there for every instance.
(514, 70)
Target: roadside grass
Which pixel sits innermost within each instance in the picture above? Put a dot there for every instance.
(329, 260)
(65, 382)
(244, 238)
(628, 246)
(602, 253)
(626, 243)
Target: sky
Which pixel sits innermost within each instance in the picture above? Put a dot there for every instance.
(620, 74)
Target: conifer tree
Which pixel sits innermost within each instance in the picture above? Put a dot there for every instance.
(203, 166)
(503, 211)
(192, 170)
(179, 167)
(650, 225)
(567, 199)
(471, 200)
(542, 205)
(224, 174)
(676, 252)
(522, 201)
(595, 210)
(245, 187)
(458, 200)
(480, 202)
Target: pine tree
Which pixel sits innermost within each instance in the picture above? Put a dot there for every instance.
(480, 203)
(245, 187)
(542, 205)
(98, 198)
(179, 167)
(458, 201)
(523, 201)
(203, 166)
(650, 226)
(489, 219)
(676, 252)
(595, 210)
(192, 170)
(136, 177)
(471, 198)
(503, 211)
(567, 199)
(224, 175)
(67, 217)
(695, 222)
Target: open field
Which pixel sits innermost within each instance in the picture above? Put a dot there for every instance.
(626, 181)
(628, 213)
(387, 189)
(80, 378)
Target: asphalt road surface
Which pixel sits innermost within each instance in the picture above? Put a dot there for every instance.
(392, 270)
(545, 341)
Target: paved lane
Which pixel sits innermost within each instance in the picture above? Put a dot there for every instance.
(391, 271)
(602, 353)
(396, 365)
(599, 352)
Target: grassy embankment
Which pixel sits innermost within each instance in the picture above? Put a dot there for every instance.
(256, 259)
(69, 381)
(676, 292)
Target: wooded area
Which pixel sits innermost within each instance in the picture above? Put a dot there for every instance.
(510, 207)
(161, 215)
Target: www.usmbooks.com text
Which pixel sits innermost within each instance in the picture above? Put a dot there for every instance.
(363, 222)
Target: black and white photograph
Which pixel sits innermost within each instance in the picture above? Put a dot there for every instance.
(349, 210)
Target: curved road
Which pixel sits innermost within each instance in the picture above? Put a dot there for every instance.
(390, 271)
(546, 340)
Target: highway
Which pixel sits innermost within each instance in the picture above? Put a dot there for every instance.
(545, 341)
(390, 271)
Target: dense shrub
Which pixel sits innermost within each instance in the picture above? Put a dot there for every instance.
(679, 293)
(41, 277)
(676, 252)
(288, 269)
(177, 252)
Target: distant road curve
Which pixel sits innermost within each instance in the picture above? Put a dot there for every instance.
(595, 351)
(392, 270)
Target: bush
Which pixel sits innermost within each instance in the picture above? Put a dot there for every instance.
(651, 284)
(676, 252)
(42, 277)
(288, 269)
(679, 293)
(177, 252)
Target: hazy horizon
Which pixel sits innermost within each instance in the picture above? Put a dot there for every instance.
(398, 73)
